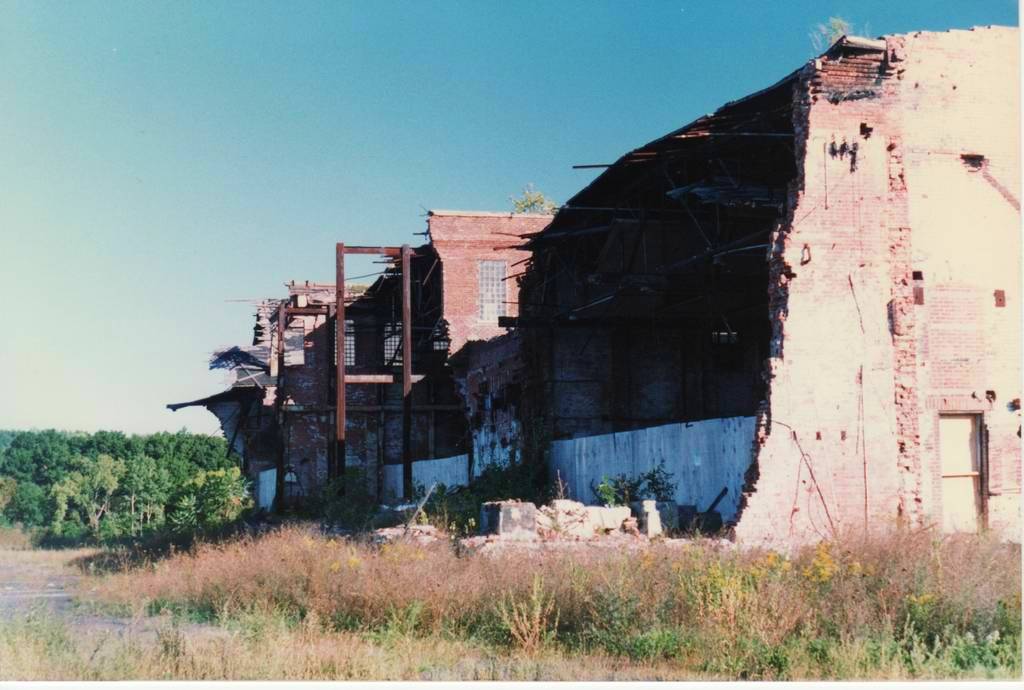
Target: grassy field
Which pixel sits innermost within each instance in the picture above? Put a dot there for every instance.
(295, 604)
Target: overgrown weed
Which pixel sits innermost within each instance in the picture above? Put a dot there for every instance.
(905, 606)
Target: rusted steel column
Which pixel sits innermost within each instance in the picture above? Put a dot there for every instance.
(339, 363)
(406, 375)
(330, 371)
(282, 317)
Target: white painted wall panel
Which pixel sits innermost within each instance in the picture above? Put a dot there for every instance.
(266, 488)
(703, 457)
(453, 471)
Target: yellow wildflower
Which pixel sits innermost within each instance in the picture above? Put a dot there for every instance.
(823, 567)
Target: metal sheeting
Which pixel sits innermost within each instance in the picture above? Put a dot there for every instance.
(703, 457)
(266, 488)
(453, 471)
(294, 345)
(491, 446)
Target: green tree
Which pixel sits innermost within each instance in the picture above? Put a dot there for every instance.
(63, 480)
(88, 489)
(144, 490)
(211, 499)
(42, 457)
(28, 505)
(8, 485)
(532, 201)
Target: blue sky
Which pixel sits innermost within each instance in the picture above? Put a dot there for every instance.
(160, 158)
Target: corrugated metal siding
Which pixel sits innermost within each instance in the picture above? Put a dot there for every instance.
(703, 457)
(453, 471)
(266, 488)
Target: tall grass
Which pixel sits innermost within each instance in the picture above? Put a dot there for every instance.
(38, 647)
(908, 606)
(14, 538)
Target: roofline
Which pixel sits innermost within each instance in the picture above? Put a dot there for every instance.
(230, 395)
(874, 44)
(487, 214)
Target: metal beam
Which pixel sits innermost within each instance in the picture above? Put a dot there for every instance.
(339, 362)
(437, 407)
(331, 374)
(279, 479)
(380, 251)
(379, 378)
(406, 374)
(307, 311)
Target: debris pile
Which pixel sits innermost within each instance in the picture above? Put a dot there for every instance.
(562, 524)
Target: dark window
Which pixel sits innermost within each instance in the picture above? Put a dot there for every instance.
(350, 343)
(393, 343)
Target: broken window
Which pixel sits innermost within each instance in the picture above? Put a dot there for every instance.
(492, 290)
(440, 338)
(393, 342)
(350, 343)
(725, 337)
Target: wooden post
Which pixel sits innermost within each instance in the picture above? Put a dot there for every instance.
(339, 364)
(407, 488)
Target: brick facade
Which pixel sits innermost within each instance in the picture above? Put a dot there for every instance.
(893, 320)
(849, 237)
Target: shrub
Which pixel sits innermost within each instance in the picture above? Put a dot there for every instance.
(348, 502)
(531, 622)
(458, 510)
(620, 490)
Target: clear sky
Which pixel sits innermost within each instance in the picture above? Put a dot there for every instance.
(160, 158)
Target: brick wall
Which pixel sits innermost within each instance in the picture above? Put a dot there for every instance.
(857, 365)
(463, 239)
(490, 376)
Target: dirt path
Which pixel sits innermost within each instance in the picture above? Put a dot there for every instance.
(34, 582)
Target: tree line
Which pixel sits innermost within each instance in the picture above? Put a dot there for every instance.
(76, 486)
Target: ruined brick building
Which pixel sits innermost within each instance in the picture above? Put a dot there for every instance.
(279, 413)
(810, 298)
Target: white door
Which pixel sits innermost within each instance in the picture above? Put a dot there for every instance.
(960, 451)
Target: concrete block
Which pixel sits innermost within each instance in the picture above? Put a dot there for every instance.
(605, 519)
(655, 517)
(564, 518)
(648, 517)
(509, 519)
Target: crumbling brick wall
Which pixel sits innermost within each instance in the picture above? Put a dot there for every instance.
(490, 377)
(859, 370)
(306, 418)
(463, 239)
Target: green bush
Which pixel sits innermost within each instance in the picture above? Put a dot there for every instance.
(459, 511)
(621, 490)
(348, 502)
(210, 500)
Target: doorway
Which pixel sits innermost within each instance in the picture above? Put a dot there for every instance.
(963, 478)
